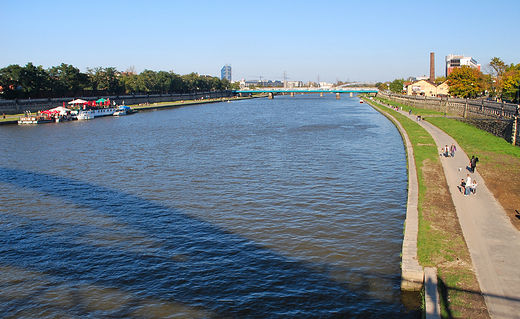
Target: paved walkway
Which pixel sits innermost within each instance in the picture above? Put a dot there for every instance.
(493, 242)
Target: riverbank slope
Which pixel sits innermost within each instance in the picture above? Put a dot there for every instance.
(440, 240)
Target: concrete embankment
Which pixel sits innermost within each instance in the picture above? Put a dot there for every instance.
(413, 276)
(412, 273)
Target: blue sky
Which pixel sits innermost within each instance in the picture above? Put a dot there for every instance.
(365, 40)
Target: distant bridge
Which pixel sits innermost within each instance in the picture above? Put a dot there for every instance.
(310, 90)
(272, 91)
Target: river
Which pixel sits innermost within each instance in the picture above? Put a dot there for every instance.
(284, 208)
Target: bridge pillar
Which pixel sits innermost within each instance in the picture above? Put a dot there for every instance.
(321, 94)
(351, 94)
(271, 95)
(337, 96)
(292, 94)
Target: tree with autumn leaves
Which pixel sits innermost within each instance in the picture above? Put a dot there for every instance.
(505, 80)
(467, 82)
(502, 82)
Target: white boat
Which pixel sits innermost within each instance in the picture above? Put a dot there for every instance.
(103, 112)
(119, 112)
(34, 120)
(85, 115)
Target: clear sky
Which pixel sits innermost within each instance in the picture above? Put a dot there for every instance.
(365, 40)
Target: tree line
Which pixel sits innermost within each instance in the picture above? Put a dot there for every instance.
(502, 82)
(30, 81)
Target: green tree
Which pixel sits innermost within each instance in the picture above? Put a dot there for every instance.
(510, 82)
(10, 81)
(235, 85)
(497, 69)
(163, 81)
(66, 78)
(176, 83)
(34, 80)
(466, 82)
(104, 79)
(190, 82)
(382, 86)
(397, 86)
(440, 79)
(128, 80)
(147, 82)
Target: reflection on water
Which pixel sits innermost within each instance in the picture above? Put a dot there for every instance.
(286, 208)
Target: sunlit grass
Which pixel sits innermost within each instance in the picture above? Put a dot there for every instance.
(407, 108)
(474, 140)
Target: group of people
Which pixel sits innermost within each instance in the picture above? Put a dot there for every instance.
(468, 186)
(449, 151)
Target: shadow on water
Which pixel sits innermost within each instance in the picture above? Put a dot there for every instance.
(187, 262)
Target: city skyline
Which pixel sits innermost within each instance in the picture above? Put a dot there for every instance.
(372, 41)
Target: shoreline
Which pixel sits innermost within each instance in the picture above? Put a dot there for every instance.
(13, 119)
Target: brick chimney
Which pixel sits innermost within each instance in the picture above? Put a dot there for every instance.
(432, 67)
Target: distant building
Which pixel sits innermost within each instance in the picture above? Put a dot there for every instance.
(294, 84)
(257, 83)
(325, 85)
(225, 73)
(455, 61)
(427, 88)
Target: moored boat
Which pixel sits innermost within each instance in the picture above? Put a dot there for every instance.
(124, 110)
(85, 115)
(34, 120)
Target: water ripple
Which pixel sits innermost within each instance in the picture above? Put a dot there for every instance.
(247, 209)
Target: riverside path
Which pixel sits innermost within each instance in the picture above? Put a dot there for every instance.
(493, 242)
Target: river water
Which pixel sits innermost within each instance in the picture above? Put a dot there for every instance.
(285, 208)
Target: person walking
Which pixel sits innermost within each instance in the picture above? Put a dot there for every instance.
(453, 148)
(473, 163)
(467, 189)
(445, 151)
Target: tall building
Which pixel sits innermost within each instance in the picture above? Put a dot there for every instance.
(455, 61)
(225, 73)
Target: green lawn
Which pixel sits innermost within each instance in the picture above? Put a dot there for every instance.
(474, 140)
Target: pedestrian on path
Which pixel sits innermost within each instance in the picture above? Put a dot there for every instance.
(473, 188)
(445, 151)
(453, 148)
(473, 163)
(467, 189)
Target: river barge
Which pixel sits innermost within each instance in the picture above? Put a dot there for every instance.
(35, 120)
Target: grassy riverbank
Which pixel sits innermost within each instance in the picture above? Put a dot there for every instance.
(499, 162)
(440, 240)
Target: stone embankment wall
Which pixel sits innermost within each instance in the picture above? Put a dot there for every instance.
(502, 128)
(34, 105)
(497, 118)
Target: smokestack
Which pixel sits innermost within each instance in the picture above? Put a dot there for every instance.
(432, 67)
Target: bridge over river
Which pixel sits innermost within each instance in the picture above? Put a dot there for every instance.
(292, 91)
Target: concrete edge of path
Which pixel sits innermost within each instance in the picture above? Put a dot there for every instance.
(431, 294)
(412, 273)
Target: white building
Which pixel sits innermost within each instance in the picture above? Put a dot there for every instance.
(454, 61)
(294, 84)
